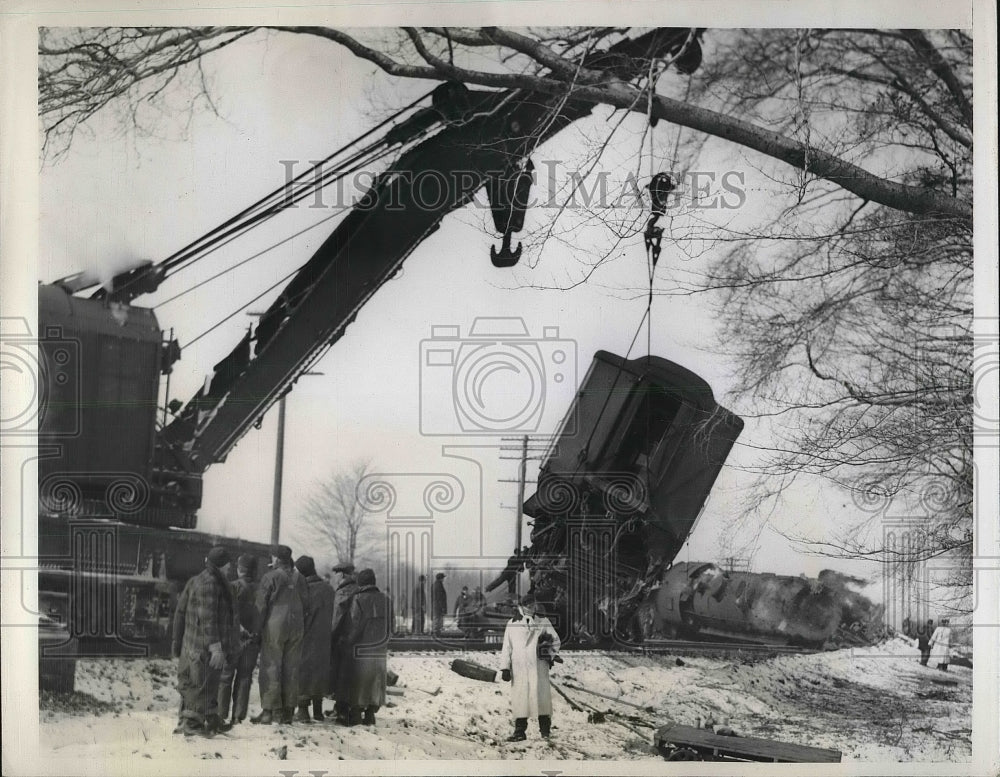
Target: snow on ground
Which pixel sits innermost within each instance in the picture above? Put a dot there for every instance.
(873, 704)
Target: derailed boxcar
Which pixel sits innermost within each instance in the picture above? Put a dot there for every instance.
(621, 489)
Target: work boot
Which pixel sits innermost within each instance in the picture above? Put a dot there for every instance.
(192, 728)
(287, 715)
(520, 730)
(354, 716)
(544, 725)
(318, 710)
(302, 716)
(369, 718)
(266, 717)
(216, 724)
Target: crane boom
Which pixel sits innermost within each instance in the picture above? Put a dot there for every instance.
(493, 132)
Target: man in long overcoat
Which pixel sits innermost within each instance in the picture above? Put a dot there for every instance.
(237, 677)
(340, 668)
(204, 640)
(282, 610)
(528, 672)
(314, 667)
(418, 605)
(941, 645)
(370, 619)
(439, 604)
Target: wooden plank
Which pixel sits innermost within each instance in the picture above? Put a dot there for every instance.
(708, 742)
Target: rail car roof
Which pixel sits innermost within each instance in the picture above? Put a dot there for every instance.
(694, 388)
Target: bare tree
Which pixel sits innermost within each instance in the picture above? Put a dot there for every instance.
(850, 319)
(84, 70)
(334, 516)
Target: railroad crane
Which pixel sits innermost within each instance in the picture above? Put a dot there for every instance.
(119, 492)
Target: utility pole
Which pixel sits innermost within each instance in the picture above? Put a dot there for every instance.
(279, 466)
(522, 471)
(279, 455)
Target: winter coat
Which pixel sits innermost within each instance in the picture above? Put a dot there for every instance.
(439, 599)
(368, 641)
(340, 625)
(342, 607)
(463, 604)
(205, 617)
(282, 604)
(314, 666)
(941, 645)
(419, 599)
(531, 694)
(245, 599)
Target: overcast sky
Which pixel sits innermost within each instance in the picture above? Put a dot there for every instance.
(119, 196)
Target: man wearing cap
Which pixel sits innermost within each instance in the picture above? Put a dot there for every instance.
(439, 604)
(238, 676)
(418, 608)
(340, 667)
(282, 610)
(530, 645)
(204, 640)
(314, 668)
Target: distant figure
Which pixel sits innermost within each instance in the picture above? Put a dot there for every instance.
(340, 668)
(924, 641)
(439, 603)
(478, 599)
(463, 606)
(418, 607)
(941, 645)
(205, 638)
(314, 667)
(237, 677)
(530, 644)
(282, 610)
(370, 619)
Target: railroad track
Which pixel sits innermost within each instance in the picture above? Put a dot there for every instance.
(455, 643)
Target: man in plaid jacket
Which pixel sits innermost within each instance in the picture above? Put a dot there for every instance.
(205, 638)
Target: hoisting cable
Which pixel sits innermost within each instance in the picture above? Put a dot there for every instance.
(181, 254)
(292, 301)
(260, 211)
(236, 312)
(243, 229)
(277, 200)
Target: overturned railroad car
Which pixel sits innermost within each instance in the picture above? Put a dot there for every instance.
(621, 488)
(697, 600)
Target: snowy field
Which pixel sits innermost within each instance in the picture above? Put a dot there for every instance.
(873, 704)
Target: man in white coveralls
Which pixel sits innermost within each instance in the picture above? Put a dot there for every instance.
(530, 645)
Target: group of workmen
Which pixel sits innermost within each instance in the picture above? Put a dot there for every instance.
(466, 605)
(312, 640)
